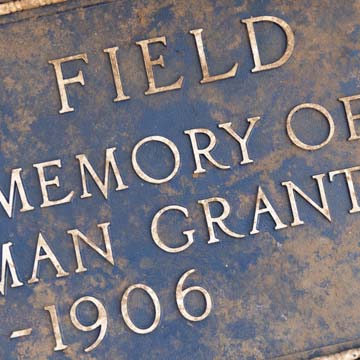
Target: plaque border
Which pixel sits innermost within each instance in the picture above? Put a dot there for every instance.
(11, 7)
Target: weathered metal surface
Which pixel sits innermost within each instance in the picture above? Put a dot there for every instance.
(290, 293)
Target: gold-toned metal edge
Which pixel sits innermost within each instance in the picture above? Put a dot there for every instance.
(345, 355)
(21, 5)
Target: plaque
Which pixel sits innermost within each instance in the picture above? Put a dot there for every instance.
(179, 179)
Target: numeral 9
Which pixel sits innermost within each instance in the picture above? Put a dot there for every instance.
(100, 322)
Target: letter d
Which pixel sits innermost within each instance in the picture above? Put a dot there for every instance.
(290, 41)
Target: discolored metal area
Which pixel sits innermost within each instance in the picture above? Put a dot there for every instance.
(269, 285)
